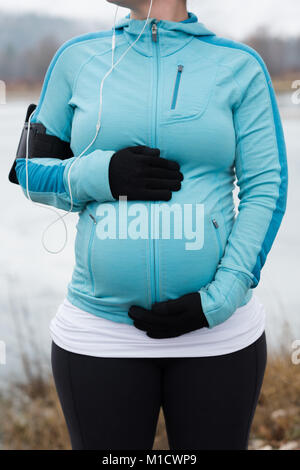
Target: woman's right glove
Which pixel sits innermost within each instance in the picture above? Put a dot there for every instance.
(140, 174)
(170, 318)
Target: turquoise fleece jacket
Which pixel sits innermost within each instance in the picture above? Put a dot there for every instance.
(205, 102)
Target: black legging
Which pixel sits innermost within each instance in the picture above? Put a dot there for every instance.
(114, 403)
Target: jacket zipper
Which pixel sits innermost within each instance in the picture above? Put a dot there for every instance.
(216, 225)
(91, 240)
(154, 31)
(176, 86)
(154, 270)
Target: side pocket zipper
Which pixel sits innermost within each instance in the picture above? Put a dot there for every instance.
(216, 226)
(176, 86)
(91, 240)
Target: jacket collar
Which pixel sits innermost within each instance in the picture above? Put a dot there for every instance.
(172, 35)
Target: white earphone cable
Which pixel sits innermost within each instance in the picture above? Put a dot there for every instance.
(98, 126)
(59, 216)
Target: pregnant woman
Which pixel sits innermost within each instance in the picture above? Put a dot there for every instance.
(154, 317)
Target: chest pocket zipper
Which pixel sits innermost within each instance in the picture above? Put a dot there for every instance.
(217, 230)
(176, 86)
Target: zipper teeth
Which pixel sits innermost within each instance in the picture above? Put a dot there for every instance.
(176, 86)
(155, 37)
(216, 225)
(91, 240)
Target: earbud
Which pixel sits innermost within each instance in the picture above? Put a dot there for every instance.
(98, 127)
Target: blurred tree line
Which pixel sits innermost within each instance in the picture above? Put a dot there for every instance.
(28, 43)
(281, 55)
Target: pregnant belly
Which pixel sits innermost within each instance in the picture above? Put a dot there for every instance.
(152, 253)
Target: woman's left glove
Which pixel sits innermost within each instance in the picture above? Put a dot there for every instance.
(170, 318)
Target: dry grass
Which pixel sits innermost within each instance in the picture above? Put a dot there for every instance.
(33, 418)
(277, 418)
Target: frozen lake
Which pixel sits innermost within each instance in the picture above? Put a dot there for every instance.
(33, 283)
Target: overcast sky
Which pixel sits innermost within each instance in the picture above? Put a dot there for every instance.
(232, 17)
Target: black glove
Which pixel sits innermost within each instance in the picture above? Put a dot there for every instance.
(140, 174)
(171, 318)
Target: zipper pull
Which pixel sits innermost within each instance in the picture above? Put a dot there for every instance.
(93, 218)
(215, 223)
(180, 68)
(154, 32)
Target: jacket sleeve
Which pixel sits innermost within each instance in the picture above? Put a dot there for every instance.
(48, 177)
(261, 172)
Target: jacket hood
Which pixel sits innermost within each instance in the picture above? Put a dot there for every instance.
(173, 34)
